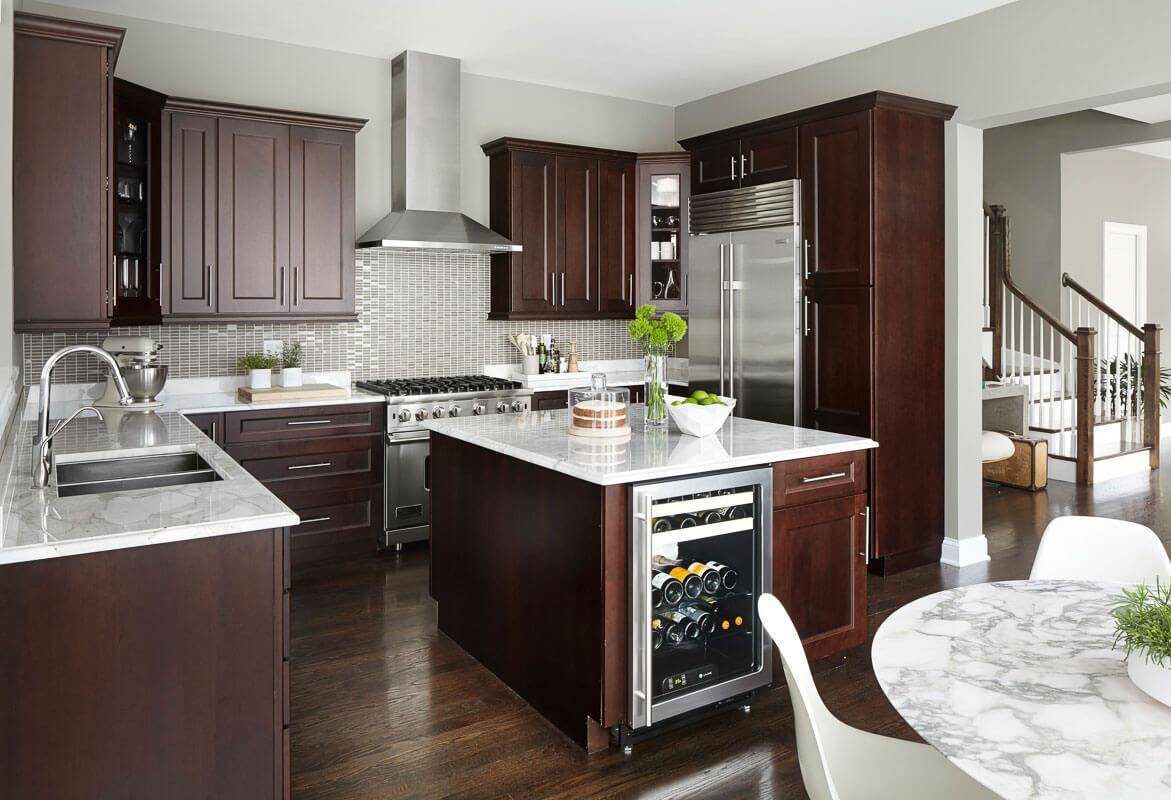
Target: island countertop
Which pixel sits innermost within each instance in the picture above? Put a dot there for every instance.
(542, 438)
(37, 523)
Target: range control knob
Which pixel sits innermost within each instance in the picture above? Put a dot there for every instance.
(421, 414)
(478, 409)
(518, 406)
(404, 415)
(438, 412)
(502, 407)
(453, 411)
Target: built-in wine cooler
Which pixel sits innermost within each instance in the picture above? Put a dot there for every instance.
(701, 554)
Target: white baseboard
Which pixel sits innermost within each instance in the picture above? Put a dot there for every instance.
(965, 552)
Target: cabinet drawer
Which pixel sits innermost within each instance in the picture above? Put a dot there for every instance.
(343, 462)
(302, 423)
(211, 425)
(335, 523)
(809, 480)
(550, 401)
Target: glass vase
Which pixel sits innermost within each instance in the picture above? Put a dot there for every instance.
(655, 387)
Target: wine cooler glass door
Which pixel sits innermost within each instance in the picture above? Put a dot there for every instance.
(701, 558)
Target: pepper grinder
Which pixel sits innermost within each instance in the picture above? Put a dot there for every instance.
(573, 356)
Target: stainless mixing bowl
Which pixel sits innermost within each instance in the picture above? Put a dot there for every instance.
(144, 382)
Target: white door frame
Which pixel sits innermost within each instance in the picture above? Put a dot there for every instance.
(1140, 233)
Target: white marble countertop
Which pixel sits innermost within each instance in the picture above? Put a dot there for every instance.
(619, 372)
(37, 524)
(542, 438)
(1016, 683)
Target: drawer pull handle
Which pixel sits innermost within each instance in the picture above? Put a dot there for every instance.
(312, 466)
(311, 422)
(820, 478)
(315, 519)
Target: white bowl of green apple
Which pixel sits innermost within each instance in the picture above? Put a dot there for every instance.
(700, 413)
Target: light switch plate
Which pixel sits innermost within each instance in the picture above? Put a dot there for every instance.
(273, 347)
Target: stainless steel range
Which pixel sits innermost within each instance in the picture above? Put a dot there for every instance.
(410, 401)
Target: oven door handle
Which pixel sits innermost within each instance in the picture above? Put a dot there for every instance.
(391, 439)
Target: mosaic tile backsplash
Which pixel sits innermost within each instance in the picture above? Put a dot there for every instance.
(420, 312)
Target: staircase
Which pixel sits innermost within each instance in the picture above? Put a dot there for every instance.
(1091, 374)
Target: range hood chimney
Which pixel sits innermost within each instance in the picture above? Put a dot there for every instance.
(424, 153)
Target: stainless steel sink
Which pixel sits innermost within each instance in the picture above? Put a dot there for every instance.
(132, 472)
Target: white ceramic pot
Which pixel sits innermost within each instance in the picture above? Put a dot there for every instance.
(260, 378)
(1153, 679)
(290, 376)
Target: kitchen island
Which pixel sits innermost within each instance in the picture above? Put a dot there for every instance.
(533, 566)
(145, 629)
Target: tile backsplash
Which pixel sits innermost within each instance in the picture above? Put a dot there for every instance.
(420, 312)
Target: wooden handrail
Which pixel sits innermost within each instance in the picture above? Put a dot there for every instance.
(1006, 276)
(1095, 301)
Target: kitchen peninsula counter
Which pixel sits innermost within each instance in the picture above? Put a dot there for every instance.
(530, 545)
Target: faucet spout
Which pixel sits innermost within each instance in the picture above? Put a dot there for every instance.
(43, 447)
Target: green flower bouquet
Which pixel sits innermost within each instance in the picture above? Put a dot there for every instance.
(656, 335)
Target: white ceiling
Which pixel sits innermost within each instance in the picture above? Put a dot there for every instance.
(663, 51)
(1157, 149)
(1149, 109)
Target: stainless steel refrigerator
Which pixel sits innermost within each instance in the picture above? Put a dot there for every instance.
(744, 298)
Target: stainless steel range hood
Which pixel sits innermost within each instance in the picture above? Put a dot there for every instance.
(424, 158)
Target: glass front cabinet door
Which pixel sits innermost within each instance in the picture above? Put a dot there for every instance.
(664, 183)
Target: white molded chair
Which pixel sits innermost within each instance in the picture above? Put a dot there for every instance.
(995, 446)
(843, 763)
(1100, 549)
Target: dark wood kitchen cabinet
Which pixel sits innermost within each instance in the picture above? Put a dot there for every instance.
(261, 214)
(662, 194)
(571, 209)
(62, 221)
(210, 425)
(872, 217)
(151, 671)
(748, 160)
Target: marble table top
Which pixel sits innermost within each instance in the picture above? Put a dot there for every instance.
(542, 438)
(1016, 684)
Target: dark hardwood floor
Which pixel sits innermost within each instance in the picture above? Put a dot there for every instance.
(384, 706)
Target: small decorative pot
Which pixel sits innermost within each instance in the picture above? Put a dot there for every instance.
(260, 378)
(1149, 676)
(290, 376)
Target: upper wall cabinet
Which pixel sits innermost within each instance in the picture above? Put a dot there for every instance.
(261, 214)
(729, 162)
(664, 181)
(572, 211)
(62, 168)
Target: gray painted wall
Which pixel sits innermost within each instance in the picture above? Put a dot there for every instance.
(1117, 186)
(189, 62)
(1022, 172)
(8, 354)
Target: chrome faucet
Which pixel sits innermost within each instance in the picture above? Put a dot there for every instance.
(43, 447)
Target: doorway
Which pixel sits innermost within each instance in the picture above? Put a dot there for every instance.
(1124, 269)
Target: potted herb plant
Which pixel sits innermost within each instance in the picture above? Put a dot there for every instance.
(656, 335)
(259, 367)
(1143, 625)
(291, 364)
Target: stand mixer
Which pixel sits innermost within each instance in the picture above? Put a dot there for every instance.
(137, 358)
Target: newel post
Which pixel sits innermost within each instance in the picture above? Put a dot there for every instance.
(1086, 386)
(1152, 390)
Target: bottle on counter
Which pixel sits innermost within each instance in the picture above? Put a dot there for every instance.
(542, 357)
(670, 587)
(554, 357)
(692, 583)
(728, 576)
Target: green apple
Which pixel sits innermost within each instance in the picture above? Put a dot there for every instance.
(699, 394)
(691, 401)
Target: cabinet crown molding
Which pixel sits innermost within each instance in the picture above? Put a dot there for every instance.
(849, 105)
(188, 105)
(554, 148)
(70, 30)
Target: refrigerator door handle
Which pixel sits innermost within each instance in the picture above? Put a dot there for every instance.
(732, 320)
(723, 282)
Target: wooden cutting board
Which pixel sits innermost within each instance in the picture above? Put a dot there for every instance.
(285, 394)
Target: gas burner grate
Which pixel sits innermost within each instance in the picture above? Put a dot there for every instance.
(452, 384)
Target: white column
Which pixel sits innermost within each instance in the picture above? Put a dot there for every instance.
(964, 541)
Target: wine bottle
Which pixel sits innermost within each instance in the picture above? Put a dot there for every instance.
(692, 583)
(542, 357)
(671, 588)
(689, 627)
(710, 576)
(720, 620)
(668, 629)
(656, 597)
(662, 525)
(656, 639)
(737, 512)
(728, 576)
(687, 521)
(704, 619)
(712, 517)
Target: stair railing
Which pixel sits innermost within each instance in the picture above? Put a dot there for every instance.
(1128, 366)
(1035, 348)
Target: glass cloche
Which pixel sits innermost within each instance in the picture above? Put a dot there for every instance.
(599, 411)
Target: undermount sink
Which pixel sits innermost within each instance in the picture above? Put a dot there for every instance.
(132, 472)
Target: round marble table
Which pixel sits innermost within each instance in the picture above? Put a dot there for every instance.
(1017, 685)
